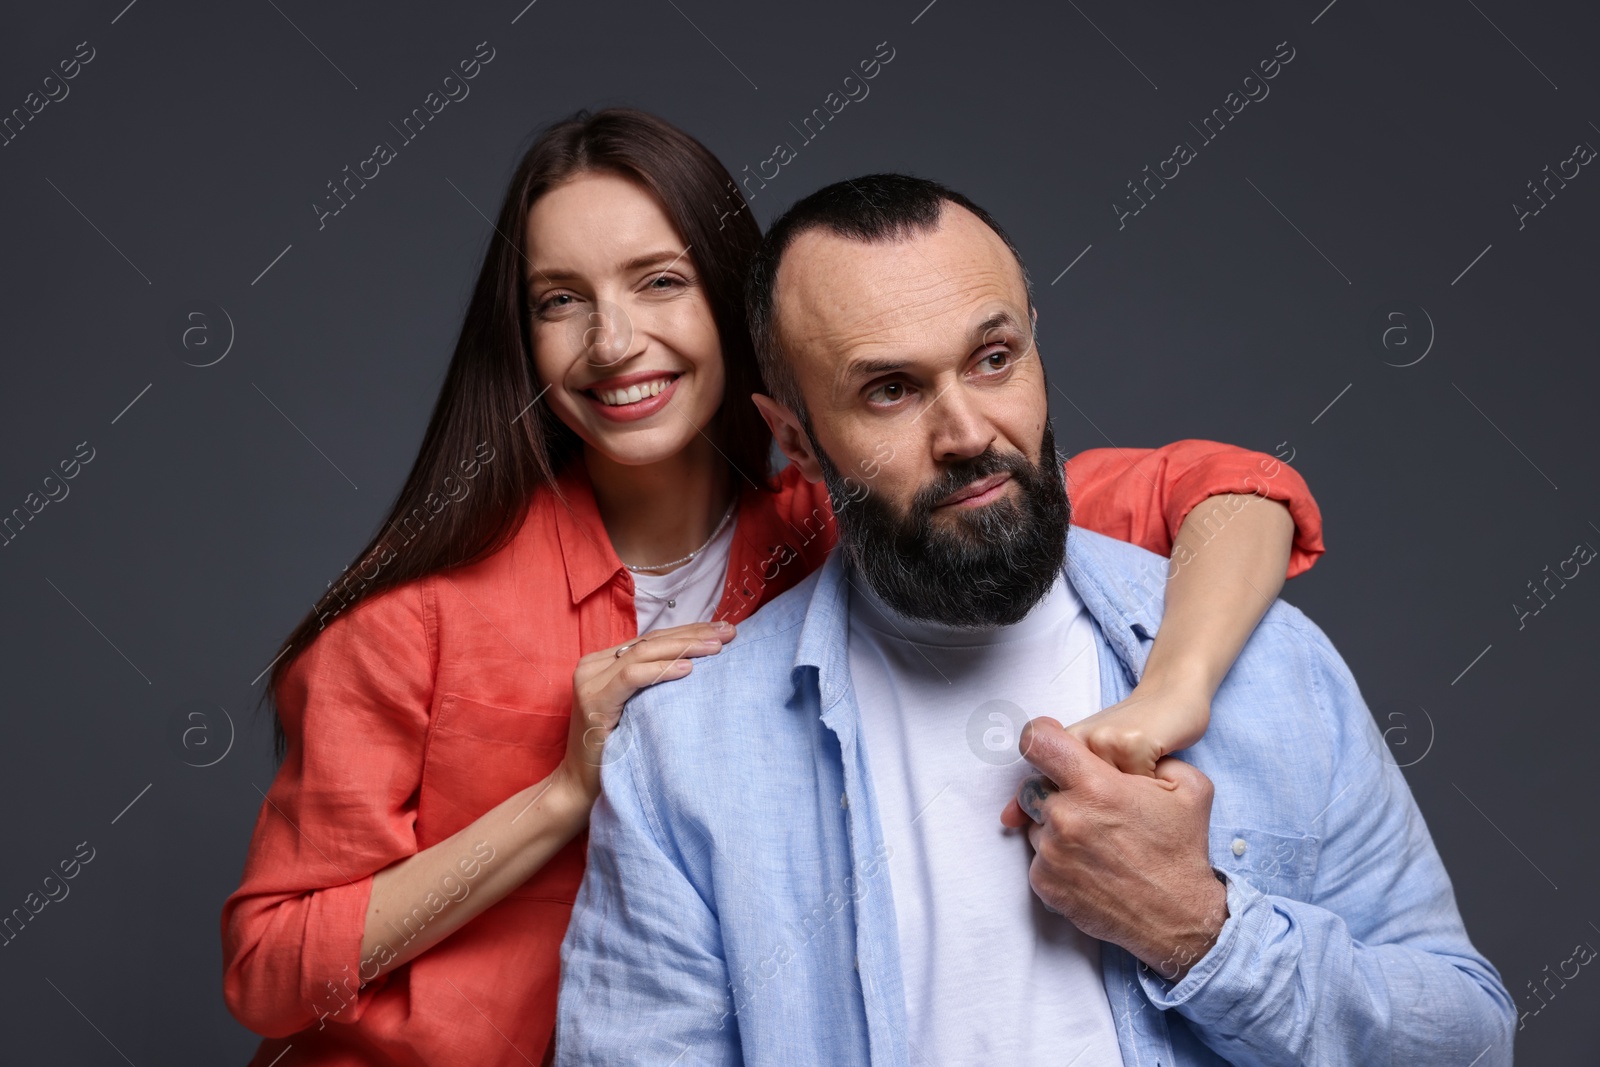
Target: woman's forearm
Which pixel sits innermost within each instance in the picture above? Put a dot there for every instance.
(1228, 565)
(501, 849)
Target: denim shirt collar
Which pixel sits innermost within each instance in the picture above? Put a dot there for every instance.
(824, 643)
(1127, 610)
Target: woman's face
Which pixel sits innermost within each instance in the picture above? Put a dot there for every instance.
(624, 340)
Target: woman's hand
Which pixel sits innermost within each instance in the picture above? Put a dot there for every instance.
(531, 826)
(1156, 720)
(1222, 582)
(605, 680)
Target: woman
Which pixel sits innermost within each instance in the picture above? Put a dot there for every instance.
(594, 470)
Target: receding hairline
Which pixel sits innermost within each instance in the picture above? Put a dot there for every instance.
(874, 209)
(904, 233)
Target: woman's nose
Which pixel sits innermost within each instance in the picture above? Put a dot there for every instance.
(607, 334)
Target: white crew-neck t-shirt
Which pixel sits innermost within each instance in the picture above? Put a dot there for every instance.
(990, 976)
(689, 594)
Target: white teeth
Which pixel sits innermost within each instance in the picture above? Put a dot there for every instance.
(633, 394)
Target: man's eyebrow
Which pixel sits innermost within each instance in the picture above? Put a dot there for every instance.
(663, 258)
(857, 369)
(999, 320)
(861, 368)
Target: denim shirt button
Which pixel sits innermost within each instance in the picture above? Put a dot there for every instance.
(844, 801)
(1239, 846)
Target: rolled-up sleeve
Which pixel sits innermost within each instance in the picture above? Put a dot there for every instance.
(354, 707)
(1142, 495)
(1375, 967)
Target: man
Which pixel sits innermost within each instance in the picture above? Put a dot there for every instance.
(797, 857)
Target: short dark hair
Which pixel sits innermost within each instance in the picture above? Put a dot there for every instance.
(872, 209)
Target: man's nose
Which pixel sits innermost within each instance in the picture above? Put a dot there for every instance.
(959, 427)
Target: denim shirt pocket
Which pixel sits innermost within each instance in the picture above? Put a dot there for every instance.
(1276, 863)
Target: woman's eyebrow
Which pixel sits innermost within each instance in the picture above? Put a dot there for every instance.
(649, 259)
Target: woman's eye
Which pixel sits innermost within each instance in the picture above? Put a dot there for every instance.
(663, 282)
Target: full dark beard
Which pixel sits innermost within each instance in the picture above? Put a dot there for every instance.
(977, 568)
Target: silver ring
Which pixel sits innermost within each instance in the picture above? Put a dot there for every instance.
(623, 648)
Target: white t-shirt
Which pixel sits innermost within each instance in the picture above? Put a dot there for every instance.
(689, 594)
(990, 976)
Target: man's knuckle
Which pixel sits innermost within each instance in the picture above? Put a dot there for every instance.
(1038, 880)
(1063, 821)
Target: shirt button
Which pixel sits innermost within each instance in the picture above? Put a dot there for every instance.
(844, 801)
(858, 963)
(1239, 846)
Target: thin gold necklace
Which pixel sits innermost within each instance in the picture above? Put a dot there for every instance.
(690, 557)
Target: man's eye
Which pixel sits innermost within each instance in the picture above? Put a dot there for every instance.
(999, 359)
(887, 393)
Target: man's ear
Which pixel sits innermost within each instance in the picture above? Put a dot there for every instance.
(790, 435)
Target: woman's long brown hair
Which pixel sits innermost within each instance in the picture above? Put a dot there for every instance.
(488, 405)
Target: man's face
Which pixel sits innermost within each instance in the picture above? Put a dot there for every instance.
(928, 417)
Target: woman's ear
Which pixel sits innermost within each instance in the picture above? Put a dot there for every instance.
(790, 435)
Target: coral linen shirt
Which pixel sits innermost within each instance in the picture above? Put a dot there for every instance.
(417, 711)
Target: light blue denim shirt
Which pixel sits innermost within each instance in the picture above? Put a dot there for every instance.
(737, 907)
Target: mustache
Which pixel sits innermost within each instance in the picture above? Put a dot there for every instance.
(963, 473)
(986, 568)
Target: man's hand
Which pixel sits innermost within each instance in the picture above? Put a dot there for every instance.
(1122, 856)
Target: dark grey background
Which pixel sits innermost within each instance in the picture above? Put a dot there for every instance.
(1241, 303)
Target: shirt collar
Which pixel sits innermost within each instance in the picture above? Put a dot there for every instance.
(585, 549)
(1125, 600)
(825, 633)
(1124, 589)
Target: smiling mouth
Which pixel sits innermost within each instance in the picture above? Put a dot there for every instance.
(633, 393)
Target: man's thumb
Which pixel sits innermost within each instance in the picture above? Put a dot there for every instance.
(1060, 755)
(1185, 777)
